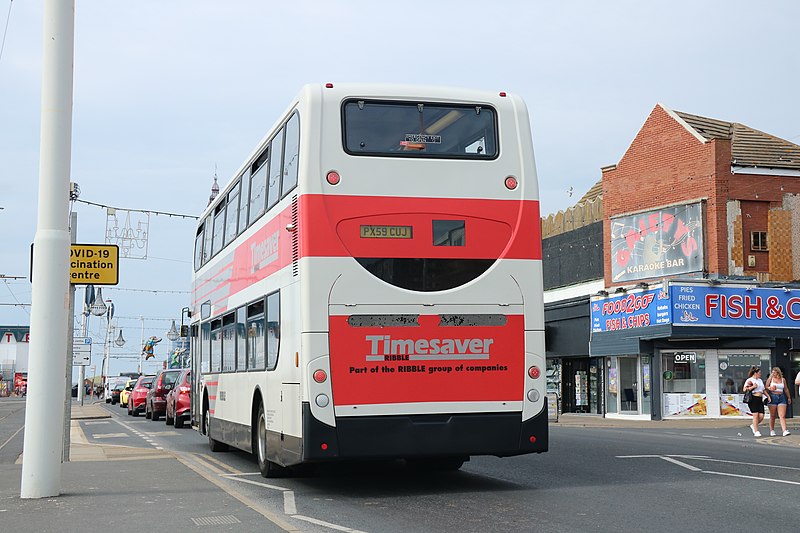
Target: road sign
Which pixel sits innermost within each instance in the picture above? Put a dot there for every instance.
(95, 264)
(81, 351)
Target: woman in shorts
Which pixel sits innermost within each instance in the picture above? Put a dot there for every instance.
(779, 398)
(756, 403)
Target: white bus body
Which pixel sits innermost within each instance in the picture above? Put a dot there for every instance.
(388, 303)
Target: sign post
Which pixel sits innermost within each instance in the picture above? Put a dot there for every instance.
(81, 351)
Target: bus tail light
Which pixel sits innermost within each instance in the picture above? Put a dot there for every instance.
(533, 439)
(320, 376)
(533, 395)
(323, 446)
(511, 183)
(333, 177)
(534, 372)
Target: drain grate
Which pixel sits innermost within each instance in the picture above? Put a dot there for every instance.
(216, 520)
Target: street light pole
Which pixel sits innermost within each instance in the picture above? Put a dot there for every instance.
(41, 459)
(142, 345)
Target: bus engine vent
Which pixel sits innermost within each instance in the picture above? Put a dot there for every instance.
(295, 239)
(366, 321)
(472, 320)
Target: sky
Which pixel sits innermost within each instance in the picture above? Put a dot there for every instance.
(168, 94)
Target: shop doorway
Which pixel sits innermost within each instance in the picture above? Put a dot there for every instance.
(628, 385)
(575, 385)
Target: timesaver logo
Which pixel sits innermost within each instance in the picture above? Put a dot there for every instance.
(264, 252)
(385, 348)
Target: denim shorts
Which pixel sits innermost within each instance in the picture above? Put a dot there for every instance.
(777, 399)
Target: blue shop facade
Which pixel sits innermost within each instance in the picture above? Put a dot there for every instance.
(683, 348)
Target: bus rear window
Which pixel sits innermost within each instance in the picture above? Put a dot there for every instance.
(411, 129)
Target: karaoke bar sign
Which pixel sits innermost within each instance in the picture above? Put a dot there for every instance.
(659, 243)
(697, 305)
(630, 310)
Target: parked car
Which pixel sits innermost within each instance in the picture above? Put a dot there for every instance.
(156, 403)
(126, 392)
(111, 381)
(178, 408)
(136, 401)
(116, 391)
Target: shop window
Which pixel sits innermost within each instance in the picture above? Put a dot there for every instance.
(758, 241)
(684, 383)
(733, 371)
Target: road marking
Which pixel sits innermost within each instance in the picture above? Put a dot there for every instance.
(12, 436)
(702, 458)
(684, 465)
(289, 506)
(250, 482)
(96, 423)
(325, 524)
(225, 466)
(671, 459)
(109, 435)
(753, 477)
(275, 519)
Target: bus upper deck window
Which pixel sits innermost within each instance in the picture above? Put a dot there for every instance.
(411, 129)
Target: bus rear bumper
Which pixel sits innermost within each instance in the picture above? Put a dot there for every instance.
(409, 436)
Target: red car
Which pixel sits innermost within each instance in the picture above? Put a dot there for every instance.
(136, 400)
(179, 400)
(156, 403)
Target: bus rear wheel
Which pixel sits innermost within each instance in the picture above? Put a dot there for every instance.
(214, 445)
(268, 468)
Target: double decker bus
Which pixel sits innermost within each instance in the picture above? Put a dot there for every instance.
(369, 284)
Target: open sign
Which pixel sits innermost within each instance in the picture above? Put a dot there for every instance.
(686, 357)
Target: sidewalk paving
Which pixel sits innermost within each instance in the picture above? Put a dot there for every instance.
(597, 421)
(107, 485)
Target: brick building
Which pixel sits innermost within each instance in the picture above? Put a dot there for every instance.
(701, 257)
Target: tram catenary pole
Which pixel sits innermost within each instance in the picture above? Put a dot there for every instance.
(41, 459)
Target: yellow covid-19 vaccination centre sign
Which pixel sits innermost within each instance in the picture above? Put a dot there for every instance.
(95, 264)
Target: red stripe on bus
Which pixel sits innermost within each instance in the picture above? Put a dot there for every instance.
(211, 411)
(212, 397)
(330, 227)
(203, 282)
(508, 229)
(212, 383)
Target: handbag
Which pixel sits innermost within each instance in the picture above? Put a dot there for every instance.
(748, 395)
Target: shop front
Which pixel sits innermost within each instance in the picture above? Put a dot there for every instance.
(574, 377)
(684, 349)
(629, 392)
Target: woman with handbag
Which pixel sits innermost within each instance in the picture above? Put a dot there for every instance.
(779, 398)
(755, 386)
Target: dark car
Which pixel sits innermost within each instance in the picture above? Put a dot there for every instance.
(136, 401)
(116, 391)
(156, 403)
(179, 400)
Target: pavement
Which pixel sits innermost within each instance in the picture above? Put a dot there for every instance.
(598, 421)
(120, 486)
